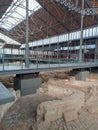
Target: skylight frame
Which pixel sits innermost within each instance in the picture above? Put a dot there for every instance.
(14, 9)
(8, 40)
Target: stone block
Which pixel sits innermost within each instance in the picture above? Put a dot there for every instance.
(92, 106)
(70, 115)
(58, 91)
(71, 78)
(93, 109)
(52, 115)
(49, 111)
(53, 110)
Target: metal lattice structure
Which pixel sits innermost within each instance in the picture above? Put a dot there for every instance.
(73, 6)
(49, 19)
(90, 11)
(45, 28)
(69, 4)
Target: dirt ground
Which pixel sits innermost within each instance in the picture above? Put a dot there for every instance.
(22, 115)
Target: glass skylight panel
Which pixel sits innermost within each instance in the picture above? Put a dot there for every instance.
(8, 40)
(94, 31)
(16, 13)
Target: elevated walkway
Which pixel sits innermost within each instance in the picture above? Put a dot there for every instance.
(33, 68)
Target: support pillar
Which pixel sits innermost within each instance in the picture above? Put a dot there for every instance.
(96, 47)
(80, 74)
(27, 36)
(81, 35)
(27, 83)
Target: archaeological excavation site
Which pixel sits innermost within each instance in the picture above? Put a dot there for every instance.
(48, 64)
(60, 103)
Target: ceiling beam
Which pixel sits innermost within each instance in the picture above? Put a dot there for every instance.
(5, 4)
(73, 16)
(52, 15)
(42, 20)
(47, 24)
(45, 33)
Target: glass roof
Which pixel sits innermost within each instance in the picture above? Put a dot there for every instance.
(16, 13)
(7, 40)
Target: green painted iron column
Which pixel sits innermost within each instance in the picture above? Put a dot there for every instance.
(81, 35)
(27, 36)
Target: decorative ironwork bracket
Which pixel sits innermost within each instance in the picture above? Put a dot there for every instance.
(72, 6)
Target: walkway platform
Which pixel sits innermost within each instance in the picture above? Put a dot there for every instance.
(5, 95)
(21, 69)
